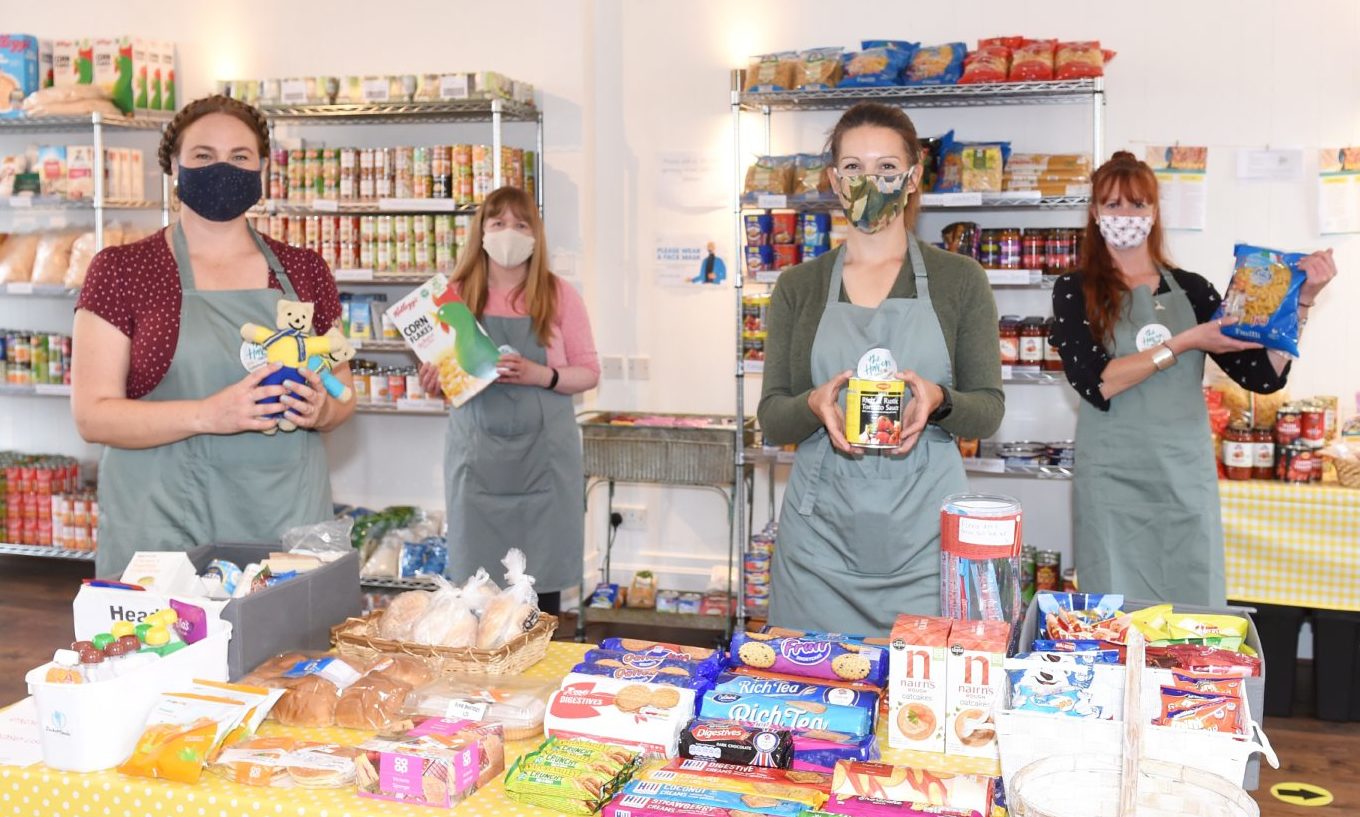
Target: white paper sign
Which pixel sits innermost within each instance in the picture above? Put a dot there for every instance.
(690, 180)
(377, 89)
(1338, 190)
(20, 736)
(1181, 174)
(1280, 165)
(293, 92)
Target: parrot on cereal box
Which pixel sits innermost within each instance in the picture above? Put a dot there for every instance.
(476, 353)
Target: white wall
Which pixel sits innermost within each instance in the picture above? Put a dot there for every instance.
(623, 81)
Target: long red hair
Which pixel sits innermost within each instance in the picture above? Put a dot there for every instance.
(538, 294)
(1101, 284)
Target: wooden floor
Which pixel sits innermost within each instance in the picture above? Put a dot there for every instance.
(35, 618)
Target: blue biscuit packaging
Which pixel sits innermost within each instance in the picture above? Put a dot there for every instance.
(810, 658)
(788, 714)
(696, 683)
(707, 667)
(795, 690)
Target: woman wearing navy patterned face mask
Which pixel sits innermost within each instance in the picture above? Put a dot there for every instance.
(859, 533)
(1133, 332)
(158, 370)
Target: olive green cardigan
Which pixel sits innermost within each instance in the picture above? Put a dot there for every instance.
(966, 310)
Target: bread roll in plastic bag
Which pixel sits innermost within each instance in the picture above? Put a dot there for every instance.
(16, 258)
(402, 614)
(82, 253)
(515, 610)
(53, 258)
(479, 590)
(447, 622)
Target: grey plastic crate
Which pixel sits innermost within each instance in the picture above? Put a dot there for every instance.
(1255, 687)
(294, 615)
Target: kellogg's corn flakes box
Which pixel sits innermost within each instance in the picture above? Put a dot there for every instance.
(443, 332)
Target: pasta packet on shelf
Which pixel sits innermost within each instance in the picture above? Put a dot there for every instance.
(1033, 61)
(1264, 298)
(819, 69)
(879, 64)
(989, 63)
(772, 72)
(1078, 60)
(936, 65)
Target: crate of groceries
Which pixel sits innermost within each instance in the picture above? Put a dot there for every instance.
(671, 449)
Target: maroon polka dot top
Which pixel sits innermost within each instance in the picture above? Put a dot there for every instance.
(136, 288)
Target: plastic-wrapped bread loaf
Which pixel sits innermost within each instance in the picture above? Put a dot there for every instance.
(403, 613)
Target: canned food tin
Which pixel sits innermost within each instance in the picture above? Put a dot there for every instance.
(873, 413)
(1313, 425)
(757, 562)
(396, 385)
(414, 390)
(1062, 454)
(1069, 580)
(1047, 570)
(1023, 454)
(757, 592)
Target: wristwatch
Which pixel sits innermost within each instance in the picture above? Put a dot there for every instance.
(946, 406)
(1163, 357)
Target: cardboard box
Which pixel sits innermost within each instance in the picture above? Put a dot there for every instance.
(65, 63)
(440, 763)
(169, 98)
(135, 176)
(51, 169)
(977, 682)
(154, 78)
(647, 716)
(917, 683)
(80, 171)
(141, 74)
(19, 74)
(430, 320)
(44, 63)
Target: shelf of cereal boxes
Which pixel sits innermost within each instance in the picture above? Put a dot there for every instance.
(376, 207)
(39, 390)
(56, 124)
(450, 110)
(1078, 91)
(47, 552)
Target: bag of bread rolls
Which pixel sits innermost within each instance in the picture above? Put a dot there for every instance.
(403, 613)
(16, 258)
(479, 590)
(447, 622)
(514, 610)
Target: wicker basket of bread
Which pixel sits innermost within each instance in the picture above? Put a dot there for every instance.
(476, 629)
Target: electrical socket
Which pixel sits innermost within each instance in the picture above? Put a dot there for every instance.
(639, 367)
(611, 367)
(634, 516)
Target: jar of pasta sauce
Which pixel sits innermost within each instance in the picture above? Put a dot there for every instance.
(1263, 454)
(1052, 359)
(1010, 243)
(1032, 244)
(1009, 328)
(1032, 335)
(1238, 452)
(989, 253)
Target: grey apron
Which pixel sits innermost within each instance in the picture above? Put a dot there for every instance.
(513, 475)
(245, 487)
(859, 538)
(1146, 491)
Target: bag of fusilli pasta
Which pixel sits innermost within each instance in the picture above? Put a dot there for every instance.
(1264, 298)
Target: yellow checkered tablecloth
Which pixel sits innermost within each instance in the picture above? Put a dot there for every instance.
(1296, 545)
(38, 790)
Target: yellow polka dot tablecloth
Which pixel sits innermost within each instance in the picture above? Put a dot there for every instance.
(38, 791)
(1296, 545)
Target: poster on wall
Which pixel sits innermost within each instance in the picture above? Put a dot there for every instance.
(1267, 165)
(690, 180)
(688, 260)
(1339, 190)
(1181, 172)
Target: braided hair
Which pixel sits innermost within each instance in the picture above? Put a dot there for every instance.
(199, 108)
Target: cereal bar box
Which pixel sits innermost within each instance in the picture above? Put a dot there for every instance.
(442, 331)
(977, 681)
(19, 75)
(917, 683)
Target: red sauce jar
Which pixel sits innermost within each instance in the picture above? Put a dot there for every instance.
(1032, 244)
(1263, 454)
(1009, 328)
(1052, 359)
(1238, 452)
(1033, 333)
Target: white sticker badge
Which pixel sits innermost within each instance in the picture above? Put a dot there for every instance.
(1154, 334)
(253, 356)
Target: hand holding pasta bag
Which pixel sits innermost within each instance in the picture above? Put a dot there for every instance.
(1263, 297)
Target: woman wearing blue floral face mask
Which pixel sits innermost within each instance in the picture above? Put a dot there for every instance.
(158, 375)
(859, 532)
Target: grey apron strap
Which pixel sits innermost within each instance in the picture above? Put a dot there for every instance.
(820, 437)
(918, 269)
(186, 272)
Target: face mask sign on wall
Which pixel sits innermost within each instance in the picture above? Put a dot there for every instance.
(1125, 232)
(508, 247)
(873, 200)
(219, 191)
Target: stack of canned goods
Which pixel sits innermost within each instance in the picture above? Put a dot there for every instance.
(378, 385)
(28, 486)
(1062, 453)
(463, 173)
(1041, 570)
(75, 521)
(399, 243)
(756, 568)
(30, 359)
(1055, 251)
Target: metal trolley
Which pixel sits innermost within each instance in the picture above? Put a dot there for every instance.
(700, 457)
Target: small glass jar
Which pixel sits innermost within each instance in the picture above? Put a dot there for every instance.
(1263, 454)
(989, 253)
(1238, 452)
(1010, 245)
(1052, 359)
(1032, 335)
(1009, 329)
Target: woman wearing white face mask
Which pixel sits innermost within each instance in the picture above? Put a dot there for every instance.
(512, 458)
(859, 534)
(1133, 332)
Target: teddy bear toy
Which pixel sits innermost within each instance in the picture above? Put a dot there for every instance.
(290, 343)
(322, 365)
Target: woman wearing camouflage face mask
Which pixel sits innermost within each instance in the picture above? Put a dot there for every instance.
(859, 533)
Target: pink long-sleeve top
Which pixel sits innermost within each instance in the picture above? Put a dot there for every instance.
(572, 344)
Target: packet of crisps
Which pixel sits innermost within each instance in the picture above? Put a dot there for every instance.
(182, 732)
